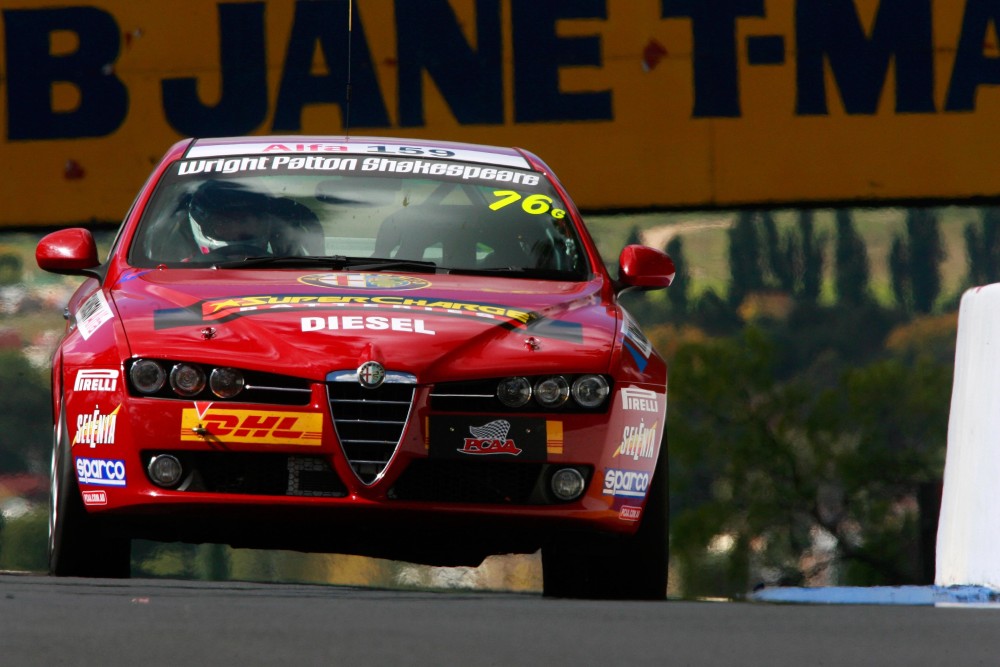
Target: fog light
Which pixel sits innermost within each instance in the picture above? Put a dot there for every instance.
(568, 484)
(147, 376)
(187, 379)
(165, 470)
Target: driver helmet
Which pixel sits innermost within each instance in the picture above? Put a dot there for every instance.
(228, 214)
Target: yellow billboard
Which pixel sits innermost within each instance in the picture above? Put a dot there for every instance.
(634, 103)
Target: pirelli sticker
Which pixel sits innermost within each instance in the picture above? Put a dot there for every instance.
(252, 427)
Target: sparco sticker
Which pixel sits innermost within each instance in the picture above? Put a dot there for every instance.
(103, 472)
(628, 483)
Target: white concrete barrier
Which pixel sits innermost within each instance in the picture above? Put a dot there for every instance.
(968, 540)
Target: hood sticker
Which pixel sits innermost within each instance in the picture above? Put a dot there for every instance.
(364, 281)
(222, 310)
(226, 309)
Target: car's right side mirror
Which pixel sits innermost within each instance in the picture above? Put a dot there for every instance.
(68, 251)
(642, 267)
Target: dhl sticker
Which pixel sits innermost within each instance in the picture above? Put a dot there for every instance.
(252, 427)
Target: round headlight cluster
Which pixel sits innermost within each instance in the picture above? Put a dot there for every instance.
(589, 391)
(514, 392)
(147, 376)
(186, 380)
(552, 392)
(226, 382)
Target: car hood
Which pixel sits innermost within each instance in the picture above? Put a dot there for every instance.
(308, 324)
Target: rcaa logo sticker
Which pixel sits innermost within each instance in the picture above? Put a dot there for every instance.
(104, 472)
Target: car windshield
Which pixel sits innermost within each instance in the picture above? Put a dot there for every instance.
(383, 212)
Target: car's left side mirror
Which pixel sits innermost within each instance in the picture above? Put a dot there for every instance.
(643, 267)
(68, 251)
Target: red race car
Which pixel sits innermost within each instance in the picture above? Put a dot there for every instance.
(397, 348)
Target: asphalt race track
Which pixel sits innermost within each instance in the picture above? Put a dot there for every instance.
(49, 621)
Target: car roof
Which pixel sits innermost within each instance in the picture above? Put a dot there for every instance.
(366, 145)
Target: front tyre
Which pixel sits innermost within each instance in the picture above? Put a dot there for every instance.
(604, 567)
(80, 545)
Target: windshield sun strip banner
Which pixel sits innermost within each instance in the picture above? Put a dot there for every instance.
(393, 166)
(333, 148)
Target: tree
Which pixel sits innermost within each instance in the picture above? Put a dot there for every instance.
(782, 255)
(771, 464)
(982, 243)
(899, 272)
(25, 416)
(745, 259)
(915, 262)
(926, 255)
(677, 293)
(851, 262)
(812, 258)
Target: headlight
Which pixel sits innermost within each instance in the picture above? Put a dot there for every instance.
(147, 376)
(590, 391)
(514, 392)
(187, 379)
(552, 392)
(226, 382)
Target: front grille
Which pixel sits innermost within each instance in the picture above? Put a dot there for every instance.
(256, 473)
(479, 482)
(370, 422)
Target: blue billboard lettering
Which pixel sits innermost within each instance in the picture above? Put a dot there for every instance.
(242, 105)
(972, 68)
(830, 31)
(325, 24)
(32, 70)
(713, 27)
(430, 40)
(539, 53)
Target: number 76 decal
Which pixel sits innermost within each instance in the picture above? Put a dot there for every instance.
(534, 204)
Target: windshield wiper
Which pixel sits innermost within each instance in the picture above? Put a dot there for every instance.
(520, 272)
(333, 262)
(384, 263)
